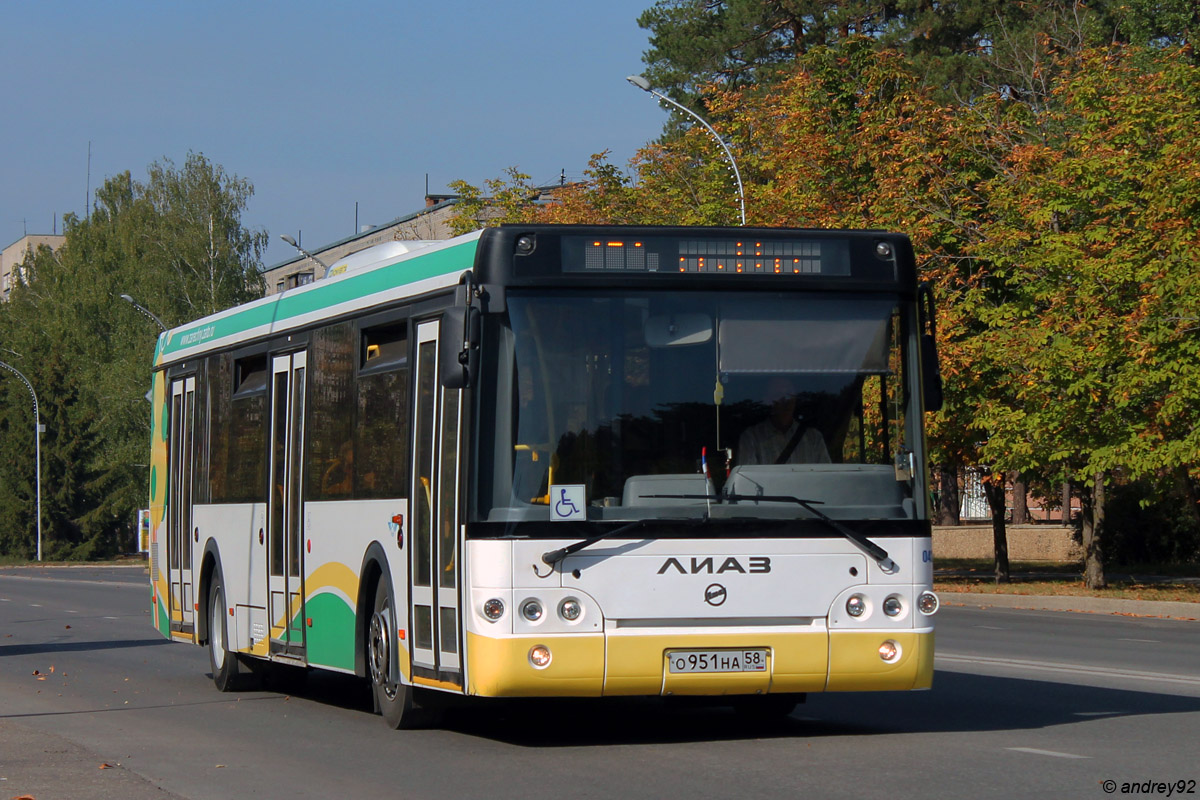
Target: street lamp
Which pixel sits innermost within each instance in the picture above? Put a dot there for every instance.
(38, 428)
(644, 85)
(144, 311)
(305, 253)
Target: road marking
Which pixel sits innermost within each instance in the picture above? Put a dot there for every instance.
(990, 628)
(35, 605)
(1036, 752)
(110, 618)
(1073, 669)
(69, 611)
(1144, 641)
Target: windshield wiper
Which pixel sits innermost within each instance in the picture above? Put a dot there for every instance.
(863, 543)
(552, 557)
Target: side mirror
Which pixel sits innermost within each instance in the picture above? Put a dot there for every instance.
(931, 372)
(458, 346)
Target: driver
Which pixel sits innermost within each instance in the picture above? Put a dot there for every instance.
(781, 439)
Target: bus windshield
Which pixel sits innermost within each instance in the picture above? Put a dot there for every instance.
(651, 404)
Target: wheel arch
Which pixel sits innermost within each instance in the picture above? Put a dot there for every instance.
(375, 568)
(210, 565)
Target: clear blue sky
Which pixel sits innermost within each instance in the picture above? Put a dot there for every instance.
(319, 104)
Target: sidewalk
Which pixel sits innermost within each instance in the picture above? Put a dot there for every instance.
(1092, 605)
(43, 766)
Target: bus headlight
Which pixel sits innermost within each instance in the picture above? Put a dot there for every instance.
(532, 610)
(539, 656)
(493, 609)
(927, 602)
(892, 606)
(856, 606)
(570, 609)
(889, 651)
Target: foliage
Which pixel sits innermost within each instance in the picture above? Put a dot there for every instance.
(1055, 216)
(176, 243)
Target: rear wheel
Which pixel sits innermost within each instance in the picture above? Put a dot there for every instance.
(394, 700)
(228, 671)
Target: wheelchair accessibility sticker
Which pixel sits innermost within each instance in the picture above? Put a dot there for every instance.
(568, 502)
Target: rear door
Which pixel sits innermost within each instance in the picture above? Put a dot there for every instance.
(180, 534)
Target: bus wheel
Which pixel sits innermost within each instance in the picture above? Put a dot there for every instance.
(392, 700)
(227, 670)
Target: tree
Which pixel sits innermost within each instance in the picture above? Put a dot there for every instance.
(1056, 216)
(177, 243)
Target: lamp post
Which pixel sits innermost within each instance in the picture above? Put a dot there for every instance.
(305, 253)
(144, 311)
(37, 435)
(644, 85)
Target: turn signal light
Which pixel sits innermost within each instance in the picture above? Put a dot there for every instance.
(493, 609)
(927, 603)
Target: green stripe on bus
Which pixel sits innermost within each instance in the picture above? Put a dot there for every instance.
(330, 640)
(288, 306)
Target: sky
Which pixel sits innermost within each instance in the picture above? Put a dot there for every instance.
(320, 105)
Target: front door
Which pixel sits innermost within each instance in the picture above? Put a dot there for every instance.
(179, 527)
(435, 547)
(285, 508)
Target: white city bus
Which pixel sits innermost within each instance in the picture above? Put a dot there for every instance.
(560, 461)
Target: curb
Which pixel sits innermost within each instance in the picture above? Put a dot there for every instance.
(1089, 605)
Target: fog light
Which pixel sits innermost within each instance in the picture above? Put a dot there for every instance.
(892, 606)
(889, 651)
(927, 603)
(493, 609)
(856, 606)
(539, 656)
(570, 609)
(532, 610)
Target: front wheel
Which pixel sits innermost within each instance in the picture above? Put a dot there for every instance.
(394, 700)
(227, 670)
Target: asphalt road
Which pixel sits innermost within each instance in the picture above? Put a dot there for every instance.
(1025, 704)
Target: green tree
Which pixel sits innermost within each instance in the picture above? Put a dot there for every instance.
(175, 242)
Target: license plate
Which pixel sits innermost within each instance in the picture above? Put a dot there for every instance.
(717, 661)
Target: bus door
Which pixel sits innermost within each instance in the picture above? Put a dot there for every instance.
(179, 503)
(285, 509)
(435, 566)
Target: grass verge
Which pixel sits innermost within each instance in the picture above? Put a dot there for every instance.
(1134, 582)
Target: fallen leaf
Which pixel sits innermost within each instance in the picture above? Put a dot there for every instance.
(106, 765)
(51, 669)
(220, 766)
(37, 672)
(24, 797)
(68, 627)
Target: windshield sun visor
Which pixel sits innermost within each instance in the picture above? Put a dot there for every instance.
(806, 336)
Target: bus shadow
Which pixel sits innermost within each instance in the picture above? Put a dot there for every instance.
(35, 648)
(958, 703)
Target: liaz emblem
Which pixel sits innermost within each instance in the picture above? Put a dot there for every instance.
(707, 566)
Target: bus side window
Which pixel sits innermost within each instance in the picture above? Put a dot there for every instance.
(329, 471)
(382, 429)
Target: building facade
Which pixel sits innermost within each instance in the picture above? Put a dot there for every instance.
(430, 223)
(13, 255)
